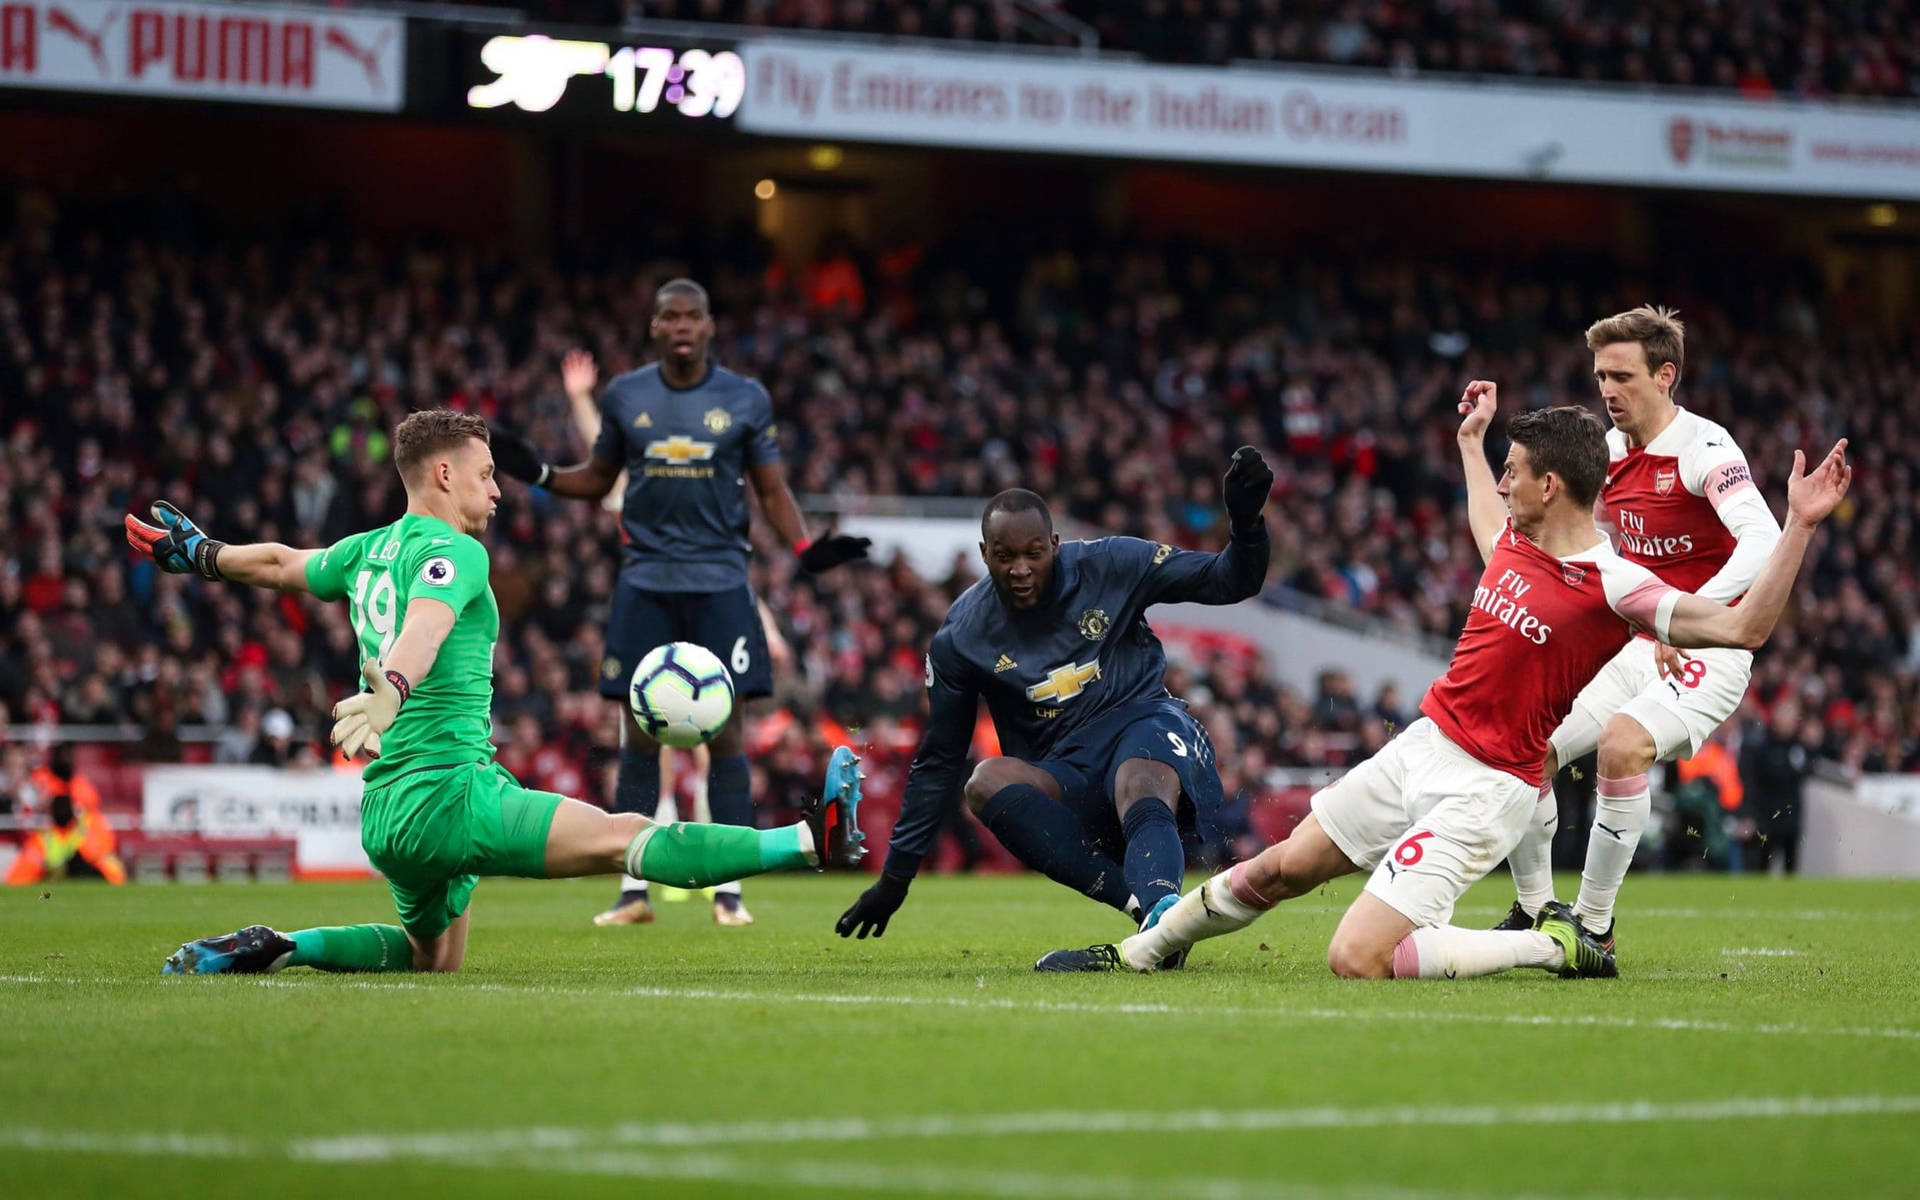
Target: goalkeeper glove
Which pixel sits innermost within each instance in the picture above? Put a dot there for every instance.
(176, 543)
(360, 719)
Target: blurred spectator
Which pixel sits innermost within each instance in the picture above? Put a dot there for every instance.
(69, 834)
(275, 745)
(237, 742)
(1775, 760)
(18, 796)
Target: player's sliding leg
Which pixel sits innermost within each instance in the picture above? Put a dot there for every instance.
(586, 841)
(259, 950)
(638, 791)
(1621, 809)
(1233, 899)
(1377, 940)
(1020, 804)
(730, 802)
(1226, 903)
(1398, 927)
(583, 840)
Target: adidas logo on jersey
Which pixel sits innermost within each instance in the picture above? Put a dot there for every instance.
(1005, 664)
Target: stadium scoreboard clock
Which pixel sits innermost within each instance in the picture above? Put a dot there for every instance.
(599, 80)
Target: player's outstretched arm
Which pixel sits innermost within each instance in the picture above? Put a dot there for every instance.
(823, 553)
(360, 719)
(517, 459)
(952, 706)
(1698, 622)
(1486, 512)
(180, 547)
(1239, 570)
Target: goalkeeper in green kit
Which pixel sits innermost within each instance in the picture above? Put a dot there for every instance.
(437, 811)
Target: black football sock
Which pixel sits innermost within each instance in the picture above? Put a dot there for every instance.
(1045, 835)
(1155, 860)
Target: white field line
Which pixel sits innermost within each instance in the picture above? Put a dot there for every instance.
(612, 1151)
(1010, 1004)
(1762, 952)
(844, 1130)
(832, 1176)
(1731, 914)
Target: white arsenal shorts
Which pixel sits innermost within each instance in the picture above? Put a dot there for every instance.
(1679, 711)
(1429, 819)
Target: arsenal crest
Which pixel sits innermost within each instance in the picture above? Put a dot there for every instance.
(1663, 481)
(1573, 573)
(1680, 139)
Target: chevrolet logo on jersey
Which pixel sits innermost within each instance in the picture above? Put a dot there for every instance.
(1064, 683)
(680, 449)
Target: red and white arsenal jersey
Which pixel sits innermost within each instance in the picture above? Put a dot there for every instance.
(1665, 501)
(1540, 629)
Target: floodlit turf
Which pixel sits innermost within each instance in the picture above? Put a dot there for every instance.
(1765, 1041)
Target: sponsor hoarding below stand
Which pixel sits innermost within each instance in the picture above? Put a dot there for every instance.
(257, 54)
(1315, 120)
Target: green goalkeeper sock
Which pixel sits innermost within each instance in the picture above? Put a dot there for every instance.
(695, 856)
(352, 948)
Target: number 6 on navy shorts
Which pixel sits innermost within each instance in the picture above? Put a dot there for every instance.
(726, 623)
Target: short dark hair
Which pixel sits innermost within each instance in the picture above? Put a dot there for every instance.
(1015, 500)
(1568, 441)
(680, 287)
(430, 431)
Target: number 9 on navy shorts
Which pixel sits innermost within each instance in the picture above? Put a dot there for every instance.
(726, 623)
(1086, 761)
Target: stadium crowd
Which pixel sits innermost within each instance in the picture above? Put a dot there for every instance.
(254, 389)
(1765, 49)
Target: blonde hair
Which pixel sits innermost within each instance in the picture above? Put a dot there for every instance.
(431, 431)
(1662, 338)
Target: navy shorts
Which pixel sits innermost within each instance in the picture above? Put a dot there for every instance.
(727, 623)
(1162, 730)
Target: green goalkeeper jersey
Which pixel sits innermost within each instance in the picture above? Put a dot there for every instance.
(448, 718)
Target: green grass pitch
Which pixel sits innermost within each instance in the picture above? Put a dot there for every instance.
(1765, 1041)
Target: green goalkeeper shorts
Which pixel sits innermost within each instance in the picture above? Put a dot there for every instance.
(433, 832)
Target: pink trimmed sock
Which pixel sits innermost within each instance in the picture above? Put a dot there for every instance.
(1406, 959)
(1244, 891)
(1620, 813)
(1449, 952)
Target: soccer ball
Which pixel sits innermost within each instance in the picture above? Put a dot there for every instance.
(681, 694)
